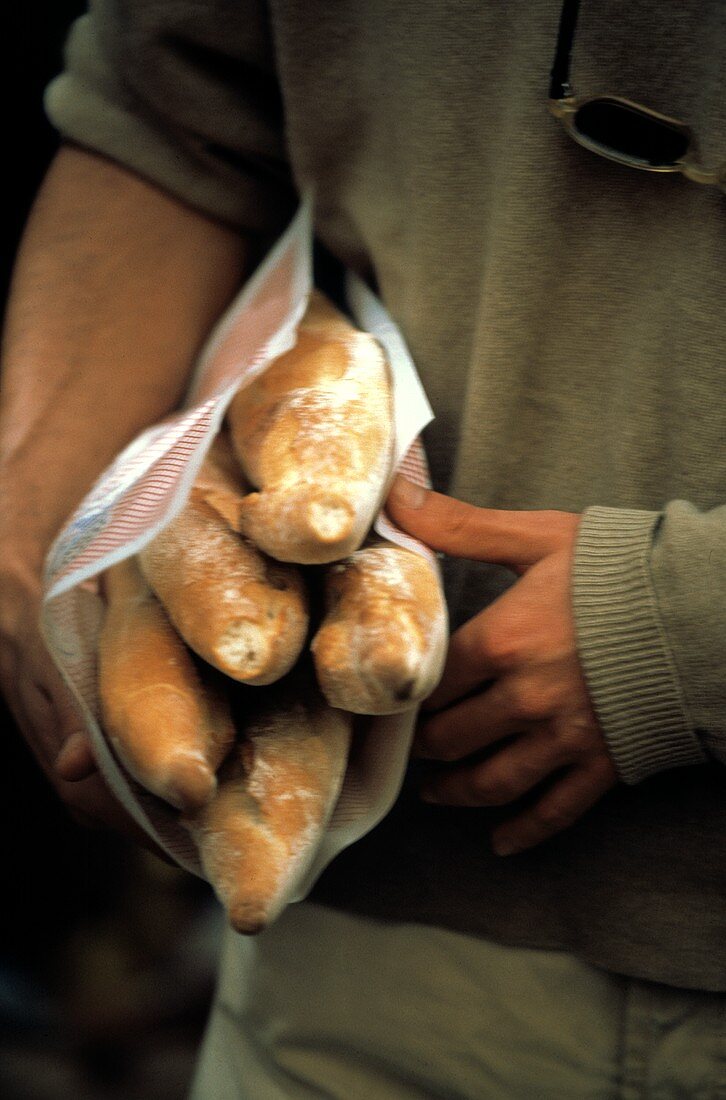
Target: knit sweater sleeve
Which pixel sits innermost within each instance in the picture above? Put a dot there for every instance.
(185, 95)
(649, 593)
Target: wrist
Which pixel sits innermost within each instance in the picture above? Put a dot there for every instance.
(630, 671)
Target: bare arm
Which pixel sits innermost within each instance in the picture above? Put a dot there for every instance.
(115, 289)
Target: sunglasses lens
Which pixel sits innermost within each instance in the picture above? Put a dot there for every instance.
(614, 127)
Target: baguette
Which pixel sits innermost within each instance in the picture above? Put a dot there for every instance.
(276, 792)
(240, 611)
(169, 729)
(382, 643)
(219, 482)
(314, 434)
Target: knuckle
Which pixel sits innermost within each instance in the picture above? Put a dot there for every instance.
(499, 645)
(533, 707)
(570, 741)
(500, 787)
(528, 702)
(526, 776)
(575, 737)
(460, 522)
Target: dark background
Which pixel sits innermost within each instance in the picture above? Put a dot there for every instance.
(107, 954)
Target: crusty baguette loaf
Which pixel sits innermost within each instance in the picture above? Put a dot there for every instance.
(314, 434)
(381, 646)
(170, 730)
(276, 792)
(219, 482)
(240, 611)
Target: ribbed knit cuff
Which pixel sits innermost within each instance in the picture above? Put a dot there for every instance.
(624, 651)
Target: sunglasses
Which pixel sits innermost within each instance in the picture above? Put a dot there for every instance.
(617, 128)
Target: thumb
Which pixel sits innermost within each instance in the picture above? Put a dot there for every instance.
(514, 539)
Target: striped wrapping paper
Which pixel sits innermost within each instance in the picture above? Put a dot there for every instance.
(146, 486)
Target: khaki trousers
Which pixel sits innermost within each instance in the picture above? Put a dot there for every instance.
(324, 1004)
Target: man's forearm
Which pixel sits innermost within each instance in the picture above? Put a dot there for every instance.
(116, 287)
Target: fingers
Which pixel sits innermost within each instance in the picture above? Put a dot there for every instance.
(35, 717)
(91, 805)
(563, 804)
(534, 706)
(538, 749)
(51, 726)
(514, 539)
(473, 658)
(46, 716)
(513, 771)
(471, 725)
(40, 703)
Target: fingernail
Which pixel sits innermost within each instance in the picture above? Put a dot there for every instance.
(407, 493)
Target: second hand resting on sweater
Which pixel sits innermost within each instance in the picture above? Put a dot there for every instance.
(521, 650)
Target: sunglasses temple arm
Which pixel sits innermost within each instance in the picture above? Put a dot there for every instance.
(560, 87)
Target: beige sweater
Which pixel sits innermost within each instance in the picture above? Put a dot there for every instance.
(567, 318)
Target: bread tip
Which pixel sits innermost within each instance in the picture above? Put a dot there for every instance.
(192, 783)
(397, 667)
(243, 650)
(396, 661)
(330, 519)
(405, 690)
(248, 918)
